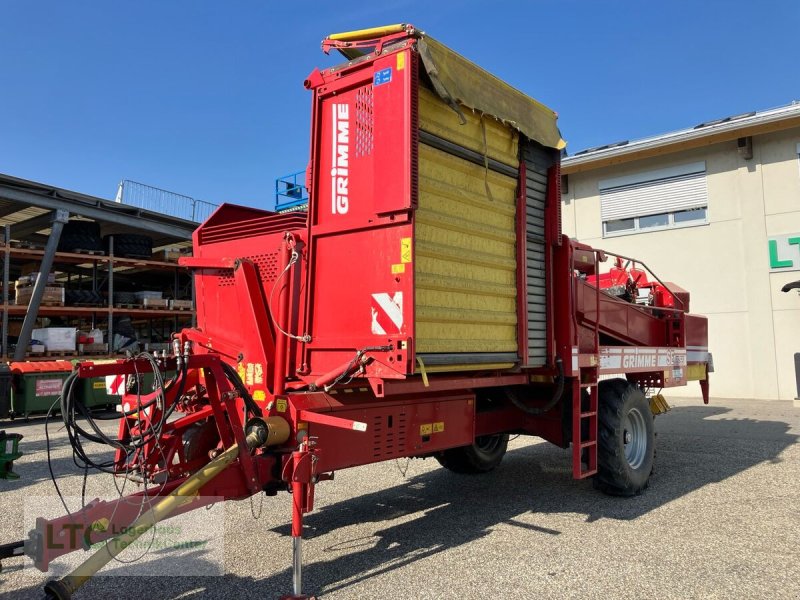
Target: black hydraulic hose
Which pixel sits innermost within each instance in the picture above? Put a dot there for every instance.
(539, 410)
(236, 381)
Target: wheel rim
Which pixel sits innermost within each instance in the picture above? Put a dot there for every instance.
(634, 436)
(488, 443)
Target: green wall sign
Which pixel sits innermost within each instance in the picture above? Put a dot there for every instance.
(784, 252)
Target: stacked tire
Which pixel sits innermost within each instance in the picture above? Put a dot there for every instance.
(124, 298)
(80, 235)
(73, 297)
(130, 245)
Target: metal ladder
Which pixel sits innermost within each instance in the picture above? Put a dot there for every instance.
(588, 379)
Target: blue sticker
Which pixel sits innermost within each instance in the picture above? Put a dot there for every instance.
(383, 76)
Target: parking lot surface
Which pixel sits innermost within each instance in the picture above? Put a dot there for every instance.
(720, 520)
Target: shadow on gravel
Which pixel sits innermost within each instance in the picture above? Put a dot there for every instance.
(696, 446)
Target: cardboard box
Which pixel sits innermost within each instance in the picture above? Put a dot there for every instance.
(171, 254)
(155, 302)
(140, 296)
(56, 338)
(31, 278)
(181, 305)
(52, 295)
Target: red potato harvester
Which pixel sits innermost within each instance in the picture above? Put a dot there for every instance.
(426, 305)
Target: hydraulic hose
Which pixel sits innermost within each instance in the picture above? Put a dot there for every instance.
(539, 410)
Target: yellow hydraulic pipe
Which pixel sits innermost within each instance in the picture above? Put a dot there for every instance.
(61, 589)
(367, 34)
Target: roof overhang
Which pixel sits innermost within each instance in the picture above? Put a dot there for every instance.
(770, 121)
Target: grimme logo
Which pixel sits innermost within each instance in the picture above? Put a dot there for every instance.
(340, 201)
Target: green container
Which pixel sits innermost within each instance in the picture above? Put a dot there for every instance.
(93, 392)
(106, 391)
(37, 385)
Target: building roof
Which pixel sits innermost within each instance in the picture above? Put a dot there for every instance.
(704, 134)
(27, 207)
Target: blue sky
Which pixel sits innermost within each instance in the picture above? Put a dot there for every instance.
(206, 98)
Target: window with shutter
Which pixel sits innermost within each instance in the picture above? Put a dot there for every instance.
(659, 199)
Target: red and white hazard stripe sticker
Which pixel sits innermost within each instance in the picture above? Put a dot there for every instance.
(115, 385)
(387, 313)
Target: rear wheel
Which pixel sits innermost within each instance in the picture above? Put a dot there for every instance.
(625, 439)
(481, 457)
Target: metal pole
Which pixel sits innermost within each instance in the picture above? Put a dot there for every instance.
(59, 218)
(6, 284)
(297, 566)
(110, 295)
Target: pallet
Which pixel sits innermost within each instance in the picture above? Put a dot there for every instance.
(128, 305)
(93, 348)
(90, 304)
(57, 353)
(89, 252)
(26, 245)
(42, 303)
(181, 305)
(159, 303)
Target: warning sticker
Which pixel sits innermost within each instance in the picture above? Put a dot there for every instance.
(48, 387)
(426, 429)
(383, 76)
(115, 385)
(280, 405)
(405, 250)
(397, 269)
(387, 313)
(438, 427)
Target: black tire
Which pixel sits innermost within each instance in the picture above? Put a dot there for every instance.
(80, 235)
(625, 439)
(124, 298)
(130, 245)
(481, 457)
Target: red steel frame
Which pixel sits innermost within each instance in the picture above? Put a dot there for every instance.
(280, 299)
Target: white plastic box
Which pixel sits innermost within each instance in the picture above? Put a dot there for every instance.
(56, 338)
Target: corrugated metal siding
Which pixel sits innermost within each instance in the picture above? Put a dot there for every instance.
(653, 197)
(465, 269)
(537, 161)
(502, 143)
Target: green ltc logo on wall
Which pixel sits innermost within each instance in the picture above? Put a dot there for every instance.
(784, 252)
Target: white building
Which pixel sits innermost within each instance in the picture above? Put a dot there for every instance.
(716, 209)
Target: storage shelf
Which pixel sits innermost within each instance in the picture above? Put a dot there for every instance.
(75, 258)
(98, 266)
(49, 311)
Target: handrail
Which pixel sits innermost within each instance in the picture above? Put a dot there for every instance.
(650, 271)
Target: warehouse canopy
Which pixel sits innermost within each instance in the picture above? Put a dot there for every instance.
(460, 82)
(28, 206)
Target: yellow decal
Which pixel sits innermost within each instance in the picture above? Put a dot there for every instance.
(100, 525)
(99, 385)
(301, 426)
(438, 427)
(401, 61)
(281, 405)
(259, 395)
(240, 371)
(400, 268)
(405, 250)
(249, 374)
(426, 429)
(259, 373)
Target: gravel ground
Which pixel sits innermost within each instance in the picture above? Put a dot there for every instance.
(720, 520)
